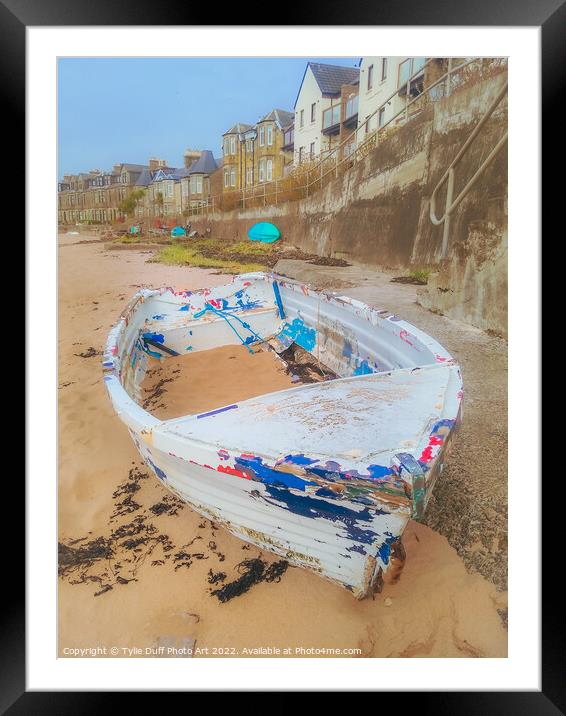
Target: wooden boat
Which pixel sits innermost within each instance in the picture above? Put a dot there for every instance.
(326, 474)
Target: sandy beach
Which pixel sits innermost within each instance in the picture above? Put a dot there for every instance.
(156, 564)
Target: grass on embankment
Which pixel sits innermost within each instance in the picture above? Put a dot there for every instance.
(227, 257)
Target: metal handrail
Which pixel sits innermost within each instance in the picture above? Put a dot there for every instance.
(450, 204)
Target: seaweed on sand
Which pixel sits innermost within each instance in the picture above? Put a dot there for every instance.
(302, 364)
(252, 571)
(72, 558)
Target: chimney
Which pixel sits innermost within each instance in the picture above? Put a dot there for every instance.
(191, 155)
(154, 164)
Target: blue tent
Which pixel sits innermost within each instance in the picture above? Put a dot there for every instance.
(178, 231)
(265, 232)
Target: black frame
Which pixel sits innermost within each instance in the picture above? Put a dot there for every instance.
(550, 15)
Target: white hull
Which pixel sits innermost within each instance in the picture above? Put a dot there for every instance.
(325, 475)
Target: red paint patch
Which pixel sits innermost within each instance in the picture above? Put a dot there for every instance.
(403, 336)
(232, 471)
(427, 455)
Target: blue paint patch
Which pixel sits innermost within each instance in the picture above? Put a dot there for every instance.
(385, 549)
(158, 337)
(185, 307)
(253, 466)
(215, 412)
(380, 471)
(347, 349)
(326, 492)
(356, 548)
(299, 459)
(158, 471)
(332, 511)
(301, 334)
(158, 317)
(384, 552)
(189, 348)
(363, 369)
(330, 470)
(278, 300)
(446, 423)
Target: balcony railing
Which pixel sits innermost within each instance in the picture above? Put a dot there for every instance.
(351, 116)
(331, 120)
(352, 107)
(412, 68)
(289, 140)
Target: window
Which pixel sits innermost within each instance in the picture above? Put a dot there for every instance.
(370, 77)
(185, 188)
(289, 136)
(269, 170)
(233, 176)
(269, 135)
(352, 106)
(302, 116)
(261, 171)
(381, 117)
(301, 153)
(226, 177)
(383, 68)
(312, 150)
(408, 68)
(313, 111)
(261, 136)
(249, 145)
(196, 184)
(250, 176)
(233, 145)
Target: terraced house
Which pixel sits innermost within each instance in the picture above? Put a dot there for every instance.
(256, 154)
(323, 117)
(384, 86)
(96, 196)
(171, 191)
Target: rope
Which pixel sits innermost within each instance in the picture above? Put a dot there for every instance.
(221, 313)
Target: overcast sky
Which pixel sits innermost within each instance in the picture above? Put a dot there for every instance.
(113, 110)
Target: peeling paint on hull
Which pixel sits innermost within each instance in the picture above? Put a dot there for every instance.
(326, 475)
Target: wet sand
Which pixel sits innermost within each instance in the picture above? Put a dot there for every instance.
(162, 560)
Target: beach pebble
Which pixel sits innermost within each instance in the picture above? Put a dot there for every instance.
(388, 602)
(295, 379)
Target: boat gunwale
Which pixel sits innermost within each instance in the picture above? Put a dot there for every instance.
(139, 419)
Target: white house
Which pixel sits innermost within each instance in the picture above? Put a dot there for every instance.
(320, 91)
(381, 77)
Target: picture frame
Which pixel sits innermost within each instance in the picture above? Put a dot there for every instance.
(550, 16)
